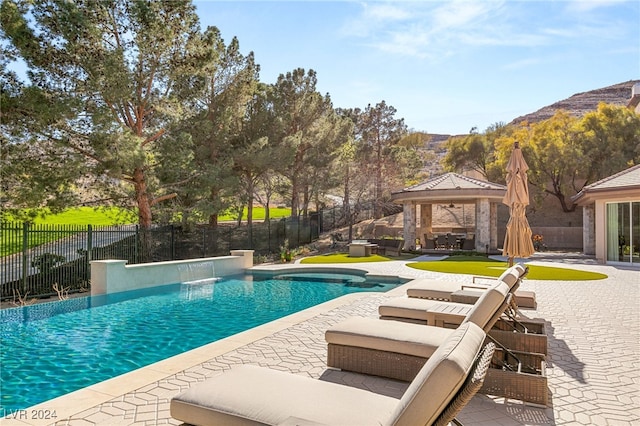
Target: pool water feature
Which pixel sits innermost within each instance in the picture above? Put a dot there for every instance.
(51, 349)
(196, 272)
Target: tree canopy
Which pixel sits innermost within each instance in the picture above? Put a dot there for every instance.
(101, 94)
(128, 102)
(562, 152)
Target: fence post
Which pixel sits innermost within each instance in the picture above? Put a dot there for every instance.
(135, 246)
(204, 243)
(173, 242)
(89, 251)
(25, 254)
(89, 242)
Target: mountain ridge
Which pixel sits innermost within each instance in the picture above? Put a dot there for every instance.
(581, 103)
(577, 105)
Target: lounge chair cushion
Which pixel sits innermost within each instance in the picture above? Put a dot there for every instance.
(440, 378)
(426, 288)
(512, 274)
(410, 308)
(251, 395)
(388, 336)
(484, 310)
(430, 311)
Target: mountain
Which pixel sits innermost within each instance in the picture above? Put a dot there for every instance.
(577, 105)
(582, 103)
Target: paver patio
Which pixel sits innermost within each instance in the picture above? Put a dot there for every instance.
(593, 366)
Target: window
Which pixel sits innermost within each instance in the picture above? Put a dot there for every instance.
(623, 232)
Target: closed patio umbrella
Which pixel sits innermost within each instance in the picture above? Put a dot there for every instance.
(517, 241)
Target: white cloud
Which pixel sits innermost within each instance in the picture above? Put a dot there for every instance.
(461, 15)
(590, 5)
(435, 29)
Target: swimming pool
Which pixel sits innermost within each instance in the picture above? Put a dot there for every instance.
(51, 349)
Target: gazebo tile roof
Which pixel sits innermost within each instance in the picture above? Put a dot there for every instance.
(449, 181)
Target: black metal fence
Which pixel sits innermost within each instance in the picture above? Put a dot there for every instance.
(43, 260)
(337, 217)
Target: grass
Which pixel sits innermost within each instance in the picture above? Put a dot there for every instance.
(259, 214)
(343, 258)
(87, 216)
(496, 268)
(470, 265)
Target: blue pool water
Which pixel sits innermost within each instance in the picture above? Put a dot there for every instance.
(51, 349)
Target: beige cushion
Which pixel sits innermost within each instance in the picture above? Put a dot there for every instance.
(479, 313)
(391, 336)
(250, 395)
(511, 275)
(488, 304)
(441, 290)
(407, 307)
(432, 289)
(422, 309)
(440, 378)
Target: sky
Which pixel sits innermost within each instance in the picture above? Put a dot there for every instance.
(445, 66)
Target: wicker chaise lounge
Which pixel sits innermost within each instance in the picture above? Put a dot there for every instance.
(250, 395)
(437, 312)
(398, 350)
(448, 291)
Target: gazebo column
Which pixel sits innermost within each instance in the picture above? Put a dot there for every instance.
(409, 226)
(426, 222)
(483, 225)
(493, 224)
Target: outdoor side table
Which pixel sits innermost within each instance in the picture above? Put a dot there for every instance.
(360, 250)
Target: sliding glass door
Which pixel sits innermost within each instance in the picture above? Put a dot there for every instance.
(623, 232)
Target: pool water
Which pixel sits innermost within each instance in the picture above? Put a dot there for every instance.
(51, 349)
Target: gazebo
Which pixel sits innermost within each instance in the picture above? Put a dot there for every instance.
(450, 189)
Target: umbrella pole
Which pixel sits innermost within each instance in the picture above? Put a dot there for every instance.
(510, 261)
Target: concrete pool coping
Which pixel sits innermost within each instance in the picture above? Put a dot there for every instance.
(75, 402)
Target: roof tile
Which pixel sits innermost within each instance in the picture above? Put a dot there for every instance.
(453, 181)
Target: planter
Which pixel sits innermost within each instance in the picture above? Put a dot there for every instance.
(528, 385)
(534, 340)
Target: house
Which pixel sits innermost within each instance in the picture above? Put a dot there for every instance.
(611, 217)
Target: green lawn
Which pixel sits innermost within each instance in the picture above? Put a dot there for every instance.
(259, 213)
(470, 265)
(494, 268)
(88, 216)
(343, 258)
